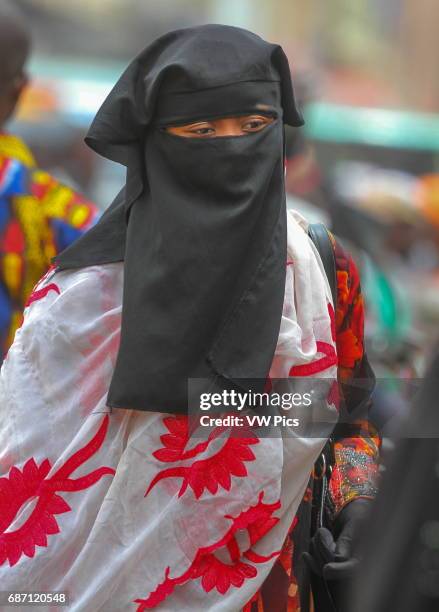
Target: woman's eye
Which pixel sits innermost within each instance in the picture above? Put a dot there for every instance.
(203, 131)
(254, 125)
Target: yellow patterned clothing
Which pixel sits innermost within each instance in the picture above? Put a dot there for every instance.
(39, 217)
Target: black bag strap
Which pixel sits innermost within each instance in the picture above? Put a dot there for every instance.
(320, 237)
(323, 466)
(322, 590)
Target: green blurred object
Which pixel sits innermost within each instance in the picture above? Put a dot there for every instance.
(65, 68)
(387, 304)
(375, 127)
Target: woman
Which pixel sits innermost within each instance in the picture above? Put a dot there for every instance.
(194, 276)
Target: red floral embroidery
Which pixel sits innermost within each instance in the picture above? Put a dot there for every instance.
(329, 360)
(36, 290)
(211, 473)
(39, 294)
(32, 483)
(214, 573)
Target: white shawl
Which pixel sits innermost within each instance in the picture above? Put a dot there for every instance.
(86, 505)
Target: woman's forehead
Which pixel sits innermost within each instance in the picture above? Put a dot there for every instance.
(233, 100)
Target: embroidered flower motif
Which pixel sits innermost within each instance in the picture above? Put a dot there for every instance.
(210, 473)
(41, 293)
(214, 573)
(31, 483)
(328, 350)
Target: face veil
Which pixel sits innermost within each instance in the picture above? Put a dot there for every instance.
(201, 223)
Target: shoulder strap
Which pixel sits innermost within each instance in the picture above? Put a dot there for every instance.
(319, 235)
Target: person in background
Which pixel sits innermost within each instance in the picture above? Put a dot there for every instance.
(39, 217)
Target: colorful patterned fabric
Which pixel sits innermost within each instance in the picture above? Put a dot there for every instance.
(356, 455)
(39, 217)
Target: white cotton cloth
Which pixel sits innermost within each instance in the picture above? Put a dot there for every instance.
(123, 509)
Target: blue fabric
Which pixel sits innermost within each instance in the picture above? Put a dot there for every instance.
(64, 234)
(5, 317)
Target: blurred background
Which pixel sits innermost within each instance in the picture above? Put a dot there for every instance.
(365, 163)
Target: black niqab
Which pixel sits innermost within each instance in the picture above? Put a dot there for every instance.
(201, 223)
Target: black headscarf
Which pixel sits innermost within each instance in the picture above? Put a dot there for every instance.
(201, 223)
